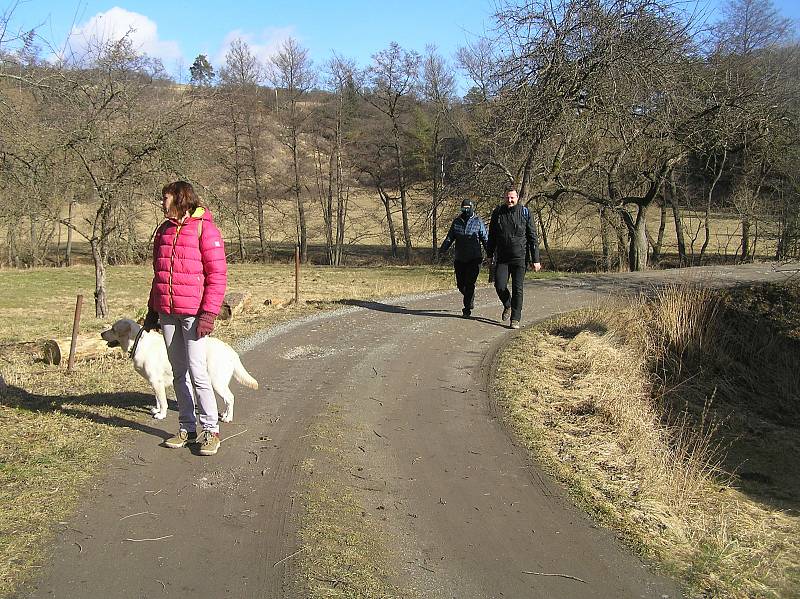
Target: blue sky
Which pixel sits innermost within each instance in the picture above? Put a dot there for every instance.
(177, 31)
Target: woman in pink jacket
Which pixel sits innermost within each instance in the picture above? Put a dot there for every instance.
(186, 296)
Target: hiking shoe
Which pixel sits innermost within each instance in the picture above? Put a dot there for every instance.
(514, 324)
(209, 442)
(506, 313)
(465, 313)
(182, 439)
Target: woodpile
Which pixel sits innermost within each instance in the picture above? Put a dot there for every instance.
(234, 302)
(56, 351)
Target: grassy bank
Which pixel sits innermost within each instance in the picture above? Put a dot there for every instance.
(676, 422)
(60, 429)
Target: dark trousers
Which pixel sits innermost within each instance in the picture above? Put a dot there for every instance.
(466, 275)
(515, 270)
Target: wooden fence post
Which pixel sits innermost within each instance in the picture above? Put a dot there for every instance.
(75, 324)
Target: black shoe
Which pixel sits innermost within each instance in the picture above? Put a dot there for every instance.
(465, 313)
(506, 313)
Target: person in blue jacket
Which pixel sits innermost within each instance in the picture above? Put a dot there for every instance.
(468, 233)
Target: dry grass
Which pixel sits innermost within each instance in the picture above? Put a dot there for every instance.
(61, 428)
(345, 553)
(639, 408)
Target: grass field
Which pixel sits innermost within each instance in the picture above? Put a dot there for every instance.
(675, 422)
(61, 428)
(573, 236)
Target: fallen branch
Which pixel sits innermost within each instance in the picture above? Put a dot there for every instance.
(137, 514)
(288, 557)
(549, 574)
(155, 539)
(236, 435)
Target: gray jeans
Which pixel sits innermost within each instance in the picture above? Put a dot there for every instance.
(187, 355)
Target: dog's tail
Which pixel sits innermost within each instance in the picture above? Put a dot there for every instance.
(241, 375)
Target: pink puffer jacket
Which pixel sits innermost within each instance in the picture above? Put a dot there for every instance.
(190, 269)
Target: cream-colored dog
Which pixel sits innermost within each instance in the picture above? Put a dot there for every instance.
(150, 360)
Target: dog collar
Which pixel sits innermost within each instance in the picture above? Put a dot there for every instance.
(136, 343)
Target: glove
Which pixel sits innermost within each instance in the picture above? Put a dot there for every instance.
(151, 320)
(205, 323)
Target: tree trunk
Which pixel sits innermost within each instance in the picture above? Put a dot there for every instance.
(237, 216)
(327, 212)
(100, 298)
(401, 179)
(301, 209)
(623, 228)
(606, 237)
(342, 194)
(392, 235)
(707, 221)
(34, 254)
(543, 233)
(637, 256)
(676, 216)
(262, 233)
(659, 241)
(745, 238)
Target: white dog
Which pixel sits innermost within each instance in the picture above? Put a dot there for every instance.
(150, 360)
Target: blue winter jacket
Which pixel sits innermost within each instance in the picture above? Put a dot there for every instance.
(468, 235)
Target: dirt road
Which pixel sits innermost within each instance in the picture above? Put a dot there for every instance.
(469, 513)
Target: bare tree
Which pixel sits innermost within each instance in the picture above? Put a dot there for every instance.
(292, 74)
(112, 129)
(333, 139)
(438, 94)
(391, 82)
(240, 85)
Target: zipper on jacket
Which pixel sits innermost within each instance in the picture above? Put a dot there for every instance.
(171, 265)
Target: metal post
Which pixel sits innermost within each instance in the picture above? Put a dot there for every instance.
(297, 274)
(75, 324)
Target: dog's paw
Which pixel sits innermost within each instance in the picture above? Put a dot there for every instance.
(154, 410)
(226, 416)
(159, 416)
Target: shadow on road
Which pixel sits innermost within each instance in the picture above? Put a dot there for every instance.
(393, 309)
(381, 307)
(67, 404)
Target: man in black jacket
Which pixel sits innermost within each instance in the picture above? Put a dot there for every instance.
(469, 234)
(512, 238)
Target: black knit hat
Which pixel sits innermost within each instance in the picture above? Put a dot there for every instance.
(467, 205)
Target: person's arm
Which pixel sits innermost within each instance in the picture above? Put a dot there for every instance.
(215, 268)
(533, 241)
(483, 235)
(448, 241)
(491, 238)
(156, 240)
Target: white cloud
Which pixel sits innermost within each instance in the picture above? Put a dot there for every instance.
(116, 23)
(263, 45)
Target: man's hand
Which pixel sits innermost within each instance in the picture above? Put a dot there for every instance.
(205, 324)
(150, 321)
(535, 266)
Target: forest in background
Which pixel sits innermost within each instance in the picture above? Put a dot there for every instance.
(629, 119)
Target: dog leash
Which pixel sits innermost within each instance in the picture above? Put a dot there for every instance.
(136, 343)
